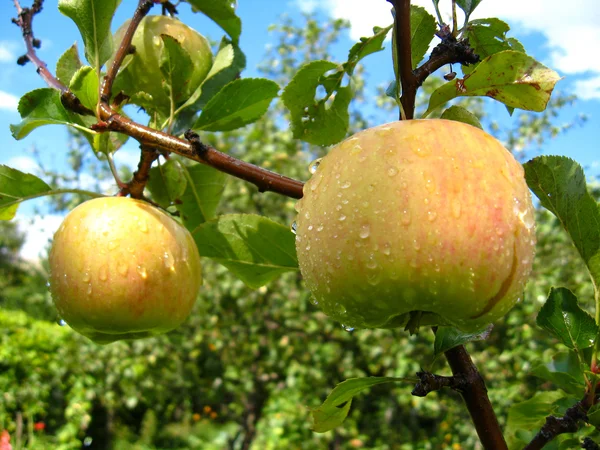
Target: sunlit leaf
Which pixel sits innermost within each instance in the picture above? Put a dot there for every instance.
(16, 186)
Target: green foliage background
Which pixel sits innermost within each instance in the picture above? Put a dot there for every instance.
(246, 367)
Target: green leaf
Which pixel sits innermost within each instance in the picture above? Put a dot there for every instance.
(447, 338)
(93, 18)
(254, 248)
(531, 414)
(513, 78)
(84, 85)
(593, 415)
(15, 187)
(559, 183)
(228, 64)
(222, 12)
(335, 408)
(564, 371)
(176, 67)
(67, 65)
(319, 122)
(239, 103)
(487, 37)
(167, 182)
(365, 47)
(204, 187)
(43, 107)
(468, 6)
(422, 31)
(460, 114)
(562, 316)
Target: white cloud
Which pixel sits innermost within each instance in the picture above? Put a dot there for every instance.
(8, 51)
(8, 102)
(39, 232)
(23, 163)
(571, 32)
(589, 88)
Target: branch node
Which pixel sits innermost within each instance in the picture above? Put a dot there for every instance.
(429, 382)
(22, 60)
(199, 148)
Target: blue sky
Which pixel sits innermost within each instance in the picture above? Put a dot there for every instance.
(565, 39)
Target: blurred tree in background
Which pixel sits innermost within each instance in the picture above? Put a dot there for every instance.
(246, 367)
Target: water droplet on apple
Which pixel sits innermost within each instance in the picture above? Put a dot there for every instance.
(122, 268)
(294, 227)
(312, 168)
(142, 271)
(143, 226)
(372, 264)
(62, 322)
(48, 284)
(365, 230)
(314, 300)
(320, 228)
(310, 227)
(416, 245)
(342, 218)
(86, 277)
(405, 217)
(392, 171)
(346, 185)
(431, 215)
(89, 289)
(387, 249)
(112, 245)
(103, 273)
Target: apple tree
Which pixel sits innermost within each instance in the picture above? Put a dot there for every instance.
(427, 223)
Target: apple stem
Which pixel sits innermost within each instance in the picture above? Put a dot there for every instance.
(136, 186)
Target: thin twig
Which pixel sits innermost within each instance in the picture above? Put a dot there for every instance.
(136, 186)
(429, 382)
(264, 179)
(124, 49)
(568, 423)
(474, 393)
(404, 57)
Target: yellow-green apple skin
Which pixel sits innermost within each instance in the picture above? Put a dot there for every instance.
(143, 67)
(420, 215)
(122, 269)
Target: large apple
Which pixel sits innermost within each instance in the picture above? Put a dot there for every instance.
(430, 219)
(141, 71)
(122, 269)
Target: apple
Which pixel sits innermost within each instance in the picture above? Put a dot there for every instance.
(122, 269)
(423, 219)
(141, 71)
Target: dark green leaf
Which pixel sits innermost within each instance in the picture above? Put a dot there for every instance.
(176, 67)
(320, 122)
(254, 248)
(594, 415)
(365, 47)
(239, 103)
(222, 12)
(468, 6)
(450, 337)
(562, 316)
(559, 183)
(422, 31)
(229, 62)
(513, 78)
(532, 413)
(43, 107)
(460, 114)
(203, 190)
(67, 65)
(335, 408)
(93, 18)
(564, 371)
(167, 182)
(16, 186)
(84, 85)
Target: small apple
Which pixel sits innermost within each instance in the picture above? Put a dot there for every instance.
(141, 71)
(122, 269)
(427, 219)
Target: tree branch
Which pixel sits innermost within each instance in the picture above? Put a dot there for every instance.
(404, 56)
(474, 393)
(136, 186)
(554, 426)
(429, 382)
(124, 49)
(264, 179)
